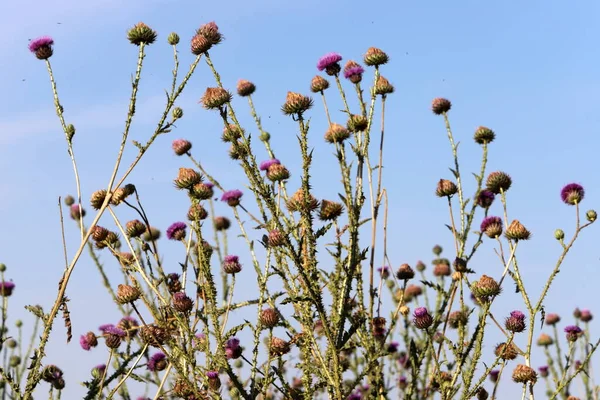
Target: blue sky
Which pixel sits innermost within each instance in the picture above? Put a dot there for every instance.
(528, 70)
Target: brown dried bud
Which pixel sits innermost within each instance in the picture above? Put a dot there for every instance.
(405, 272)
(295, 103)
(182, 303)
(336, 134)
(279, 347)
(330, 210)
(516, 231)
(440, 106)
(245, 88)
(485, 288)
(276, 238)
(99, 233)
(383, 86)
(375, 57)
(231, 133)
(545, 340)
(121, 194)
(442, 270)
(357, 123)
(197, 212)
(484, 135)
(215, 97)
(98, 199)
(446, 188)
(200, 45)
(506, 351)
(181, 146)
(222, 223)
(297, 201)
(127, 294)
(269, 317)
(154, 335)
(278, 173)
(135, 228)
(318, 84)
(457, 319)
(524, 374)
(186, 178)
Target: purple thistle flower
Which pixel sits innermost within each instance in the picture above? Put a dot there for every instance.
(494, 374)
(485, 198)
(384, 271)
(586, 315)
(104, 328)
(392, 347)
(422, 319)
(264, 166)
(157, 362)
(232, 197)
(36, 44)
(113, 330)
(350, 72)
(489, 221)
(420, 312)
(516, 322)
(6, 288)
(573, 332)
(572, 194)
(328, 61)
(233, 349)
(543, 371)
(88, 341)
(354, 396)
(176, 231)
(212, 374)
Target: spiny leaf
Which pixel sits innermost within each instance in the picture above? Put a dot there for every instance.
(67, 318)
(454, 173)
(233, 331)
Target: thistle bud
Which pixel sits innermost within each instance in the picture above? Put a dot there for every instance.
(336, 133)
(215, 97)
(278, 173)
(545, 340)
(181, 146)
(484, 135)
(405, 272)
(440, 106)
(506, 351)
(141, 33)
(97, 199)
(279, 347)
(127, 294)
(524, 374)
(153, 335)
(357, 123)
(177, 113)
(182, 303)
(446, 188)
(296, 103)
(245, 88)
(231, 133)
(516, 231)
(491, 227)
(516, 322)
(422, 319)
(197, 213)
(375, 57)
(383, 86)
(135, 228)
(186, 178)
(318, 84)
(231, 264)
(269, 317)
(99, 233)
(202, 191)
(485, 288)
(330, 210)
(591, 215)
(173, 39)
(498, 182)
(222, 223)
(275, 238)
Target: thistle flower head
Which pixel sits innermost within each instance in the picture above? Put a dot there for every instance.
(181, 146)
(269, 317)
(330, 210)
(516, 231)
(158, 362)
(516, 322)
(573, 332)
(182, 303)
(186, 178)
(506, 351)
(296, 104)
(357, 123)
(176, 231)
(445, 188)
(318, 84)
(245, 88)
(264, 166)
(572, 194)
(199, 45)
(543, 370)
(545, 340)
(215, 98)
(586, 315)
(210, 31)
(485, 288)
(197, 212)
(278, 346)
(127, 294)
(336, 133)
(384, 271)
(491, 226)
(484, 135)
(440, 106)
(88, 341)
(330, 63)
(231, 264)
(524, 374)
(232, 197)
(278, 173)
(383, 87)
(353, 72)
(129, 325)
(405, 272)
(422, 319)
(485, 198)
(42, 47)
(233, 350)
(222, 223)
(375, 57)
(494, 374)
(498, 182)
(202, 190)
(552, 319)
(141, 33)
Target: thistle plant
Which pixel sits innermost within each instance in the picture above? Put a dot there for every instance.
(330, 316)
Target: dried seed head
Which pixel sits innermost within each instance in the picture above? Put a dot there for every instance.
(279, 347)
(492, 227)
(186, 178)
(295, 103)
(141, 33)
(498, 182)
(506, 351)
(297, 201)
(127, 294)
(269, 317)
(484, 135)
(154, 335)
(545, 340)
(197, 213)
(97, 199)
(211, 32)
(215, 97)
(245, 88)
(405, 272)
(383, 86)
(485, 288)
(516, 231)
(182, 303)
(318, 84)
(375, 57)
(440, 106)
(336, 134)
(446, 188)
(330, 210)
(357, 123)
(181, 146)
(524, 374)
(135, 228)
(99, 233)
(276, 238)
